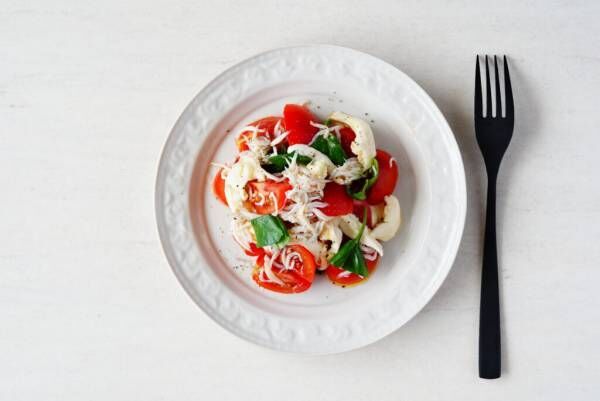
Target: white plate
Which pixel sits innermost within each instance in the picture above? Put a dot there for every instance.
(194, 227)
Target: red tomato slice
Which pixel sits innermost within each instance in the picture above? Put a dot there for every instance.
(359, 208)
(297, 279)
(386, 182)
(338, 201)
(346, 138)
(218, 187)
(266, 197)
(267, 124)
(297, 121)
(307, 265)
(256, 252)
(293, 286)
(334, 272)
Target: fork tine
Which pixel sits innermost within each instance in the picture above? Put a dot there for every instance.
(497, 79)
(508, 97)
(478, 103)
(488, 89)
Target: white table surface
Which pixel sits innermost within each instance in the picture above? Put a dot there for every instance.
(89, 307)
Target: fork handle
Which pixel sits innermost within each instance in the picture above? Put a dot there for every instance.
(489, 312)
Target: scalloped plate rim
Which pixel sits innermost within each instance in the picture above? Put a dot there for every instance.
(427, 295)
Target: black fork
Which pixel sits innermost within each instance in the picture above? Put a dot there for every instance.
(493, 136)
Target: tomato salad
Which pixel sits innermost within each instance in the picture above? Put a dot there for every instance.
(308, 196)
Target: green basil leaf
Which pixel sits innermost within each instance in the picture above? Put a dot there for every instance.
(374, 174)
(331, 147)
(336, 152)
(356, 263)
(283, 242)
(270, 230)
(339, 259)
(358, 189)
(320, 143)
(361, 230)
(349, 257)
(278, 163)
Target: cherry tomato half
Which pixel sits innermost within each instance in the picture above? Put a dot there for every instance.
(267, 124)
(267, 196)
(218, 187)
(297, 278)
(346, 138)
(341, 277)
(386, 182)
(360, 207)
(338, 201)
(297, 121)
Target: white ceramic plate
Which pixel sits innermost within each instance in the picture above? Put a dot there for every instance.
(194, 227)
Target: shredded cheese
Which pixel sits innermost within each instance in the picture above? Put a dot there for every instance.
(325, 130)
(269, 275)
(277, 129)
(368, 252)
(279, 138)
(288, 259)
(347, 172)
(250, 128)
(242, 231)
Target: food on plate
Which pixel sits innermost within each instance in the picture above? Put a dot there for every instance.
(310, 196)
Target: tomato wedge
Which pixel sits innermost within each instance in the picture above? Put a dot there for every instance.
(338, 201)
(297, 120)
(256, 252)
(360, 207)
(297, 277)
(347, 136)
(266, 124)
(386, 182)
(267, 196)
(218, 187)
(339, 276)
